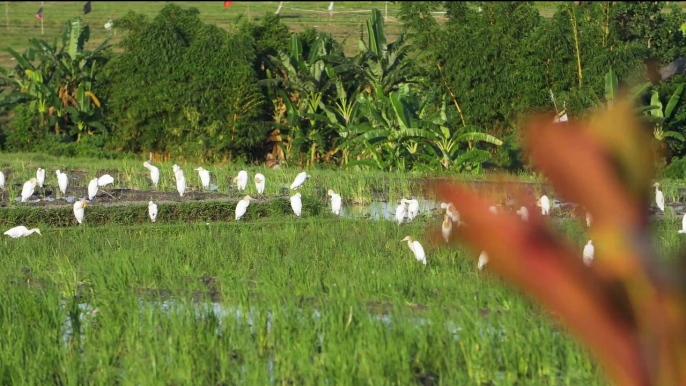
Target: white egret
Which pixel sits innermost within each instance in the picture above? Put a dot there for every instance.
(279, 9)
(259, 183)
(154, 173)
(523, 212)
(683, 225)
(589, 219)
(416, 248)
(299, 180)
(296, 204)
(204, 177)
(400, 212)
(79, 210)
(451, 211)
(108, 25)
(242, 206)
(27, 189)
(659, 197)
(412, 208)
(241, 180)
(40, 177)
(446, 227)
(483, 260)
(335, 202)
(180, 180)
(92, 188)
(152, 211)
(331, 7)
(21, 231)
(2, 180)
(62, 181)
(105, 180)
(544, 203)
(589, 251)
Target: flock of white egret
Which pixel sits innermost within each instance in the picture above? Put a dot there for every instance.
(406, 209)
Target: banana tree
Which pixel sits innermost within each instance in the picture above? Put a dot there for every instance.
(307, 81)
(448, 145)
(660, 116)
(34, 82)
(382, 64)
(391, 137)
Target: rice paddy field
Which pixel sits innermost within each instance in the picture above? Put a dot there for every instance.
(198, 298)
(344, 23)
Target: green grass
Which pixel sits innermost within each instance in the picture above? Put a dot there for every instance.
(349, 272)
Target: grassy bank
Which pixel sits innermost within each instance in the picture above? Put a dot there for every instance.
(302, 302)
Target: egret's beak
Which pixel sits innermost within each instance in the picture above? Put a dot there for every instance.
(85, 204)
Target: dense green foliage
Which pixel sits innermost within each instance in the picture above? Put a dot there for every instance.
(447, 96)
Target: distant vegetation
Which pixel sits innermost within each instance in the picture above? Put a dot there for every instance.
(440, 96)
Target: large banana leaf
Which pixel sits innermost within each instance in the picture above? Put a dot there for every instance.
(611, 86)
(673, 101)
(401, 112)
(655, 101)
(638, 90)
(479, 137)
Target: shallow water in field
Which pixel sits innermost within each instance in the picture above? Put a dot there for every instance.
(202, 310)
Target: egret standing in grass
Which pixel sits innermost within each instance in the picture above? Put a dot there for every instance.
(446, 227)
(416, 248)
(259, 183)
(335, 202)
(204, 177)
(92, 188)
(152, 211)
(659, 197)
(296, 204)
(154, 173)
(544, 203)
(105, 180)
(451, 211)
(27, 189)
(523, 212)
(242, 206)
(683, 224)
(180, 179)
(412, 208)
(241, 180)
(400, 212)
(2, 180)
(483, 260)
(589, 251)
(79, 210)
(299, 180)
(40, 177)
(62, 181)
(21, 231)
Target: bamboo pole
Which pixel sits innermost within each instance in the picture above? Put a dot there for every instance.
(386, 12)
(41, 21)
(249, 17)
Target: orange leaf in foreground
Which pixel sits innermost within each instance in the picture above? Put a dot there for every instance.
(631, 319)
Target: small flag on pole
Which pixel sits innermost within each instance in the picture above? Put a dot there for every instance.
(87, 8)
(39, 14)
(227, 3)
